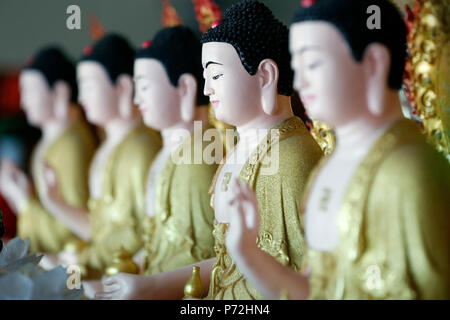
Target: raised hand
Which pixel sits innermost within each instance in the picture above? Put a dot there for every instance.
(14, 185)
(122, 286)
(244, 225)
(51, 183)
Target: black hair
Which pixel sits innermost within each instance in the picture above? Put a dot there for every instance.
(179, 51)
(114, 53)
(350, 18)
(54, 65)
(251, 28)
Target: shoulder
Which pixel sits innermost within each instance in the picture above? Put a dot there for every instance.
(142, 141)
(416, 162)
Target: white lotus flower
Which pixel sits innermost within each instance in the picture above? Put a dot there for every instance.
(22, 278)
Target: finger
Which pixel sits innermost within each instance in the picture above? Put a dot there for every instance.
(109, 280)
(103, 296)
(250, 206)
(240, 214)
(247, 191)
(112, 287)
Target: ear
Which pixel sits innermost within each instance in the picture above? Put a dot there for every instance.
(124, 90)
(187, 89)
(377, 63)
(268, 77)
(61, 99)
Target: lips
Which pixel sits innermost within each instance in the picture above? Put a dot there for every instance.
(215, 103)
(308, 98)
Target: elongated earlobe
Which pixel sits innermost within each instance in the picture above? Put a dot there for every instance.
(268, 74)
(187, 88)
(377, 65)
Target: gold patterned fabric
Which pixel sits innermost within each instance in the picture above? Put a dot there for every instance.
(117, 218)
(279, 199)
(183, 222)
(69, 156)
(393, 224)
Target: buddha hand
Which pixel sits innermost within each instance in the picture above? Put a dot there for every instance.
(244, 225)
(122, 286)
(51, 183)
(14, 185)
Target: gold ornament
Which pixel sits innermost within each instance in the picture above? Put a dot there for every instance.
(428, 67)
(194, 288)
(324, 136)
(122, 262)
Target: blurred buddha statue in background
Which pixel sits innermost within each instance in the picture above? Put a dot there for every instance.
(48, 93)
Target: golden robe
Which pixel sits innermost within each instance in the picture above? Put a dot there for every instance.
(393, 224)
(69, 156)
(279, 200)
(117, 217)
(184, 220)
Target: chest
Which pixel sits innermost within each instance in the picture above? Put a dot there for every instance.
(325, 199)
(97, 169)
(152, 180)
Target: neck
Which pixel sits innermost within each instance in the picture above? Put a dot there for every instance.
(357, 132)
(169, 135)
(54, 127)
(265, 121)
(119, 127)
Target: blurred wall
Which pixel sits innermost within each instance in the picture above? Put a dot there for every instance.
(26, 25)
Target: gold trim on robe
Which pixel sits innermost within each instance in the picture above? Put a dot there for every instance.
(183, 222)
(69, 156)
(279, 199)
(117, 218)
(393, 224)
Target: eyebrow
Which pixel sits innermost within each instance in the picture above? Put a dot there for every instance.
(303, 49)
(212, 62)
(136, 78)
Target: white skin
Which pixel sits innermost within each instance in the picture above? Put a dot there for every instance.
(45, 107)
(110, 106)
(166, 108)
(351, 96)
(254, 103)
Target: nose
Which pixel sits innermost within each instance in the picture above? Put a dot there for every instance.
(136, 98)
(299, 80)
(80, 97)
(207, 90)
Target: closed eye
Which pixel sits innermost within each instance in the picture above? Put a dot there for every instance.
(217, 76)
(314, 65)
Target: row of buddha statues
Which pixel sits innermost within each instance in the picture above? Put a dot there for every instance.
(270, 216)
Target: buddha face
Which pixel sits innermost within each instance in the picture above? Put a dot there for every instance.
(36, 97)
(234, 94)
(157, 98)
(331, 84)
(96, 93)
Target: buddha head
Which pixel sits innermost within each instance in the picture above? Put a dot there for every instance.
(47, 86)
(168, 78)
(346, 68)
(104, 75)
(246, 64)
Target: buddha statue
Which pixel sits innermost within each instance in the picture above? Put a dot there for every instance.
(114, 219)
(48, 94)
(169, 92)
(376, 211)
(248, 80)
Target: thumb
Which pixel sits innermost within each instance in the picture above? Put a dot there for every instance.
(250, 206)
(50, 176)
